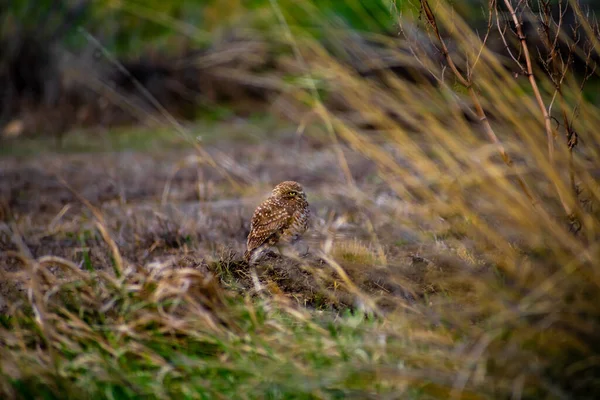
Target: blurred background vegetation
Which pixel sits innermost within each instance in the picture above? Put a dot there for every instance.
(46, 45)
(64, 61)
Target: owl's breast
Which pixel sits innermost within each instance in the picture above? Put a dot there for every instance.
(299, 225)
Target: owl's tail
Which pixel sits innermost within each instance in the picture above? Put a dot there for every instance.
(247, 256)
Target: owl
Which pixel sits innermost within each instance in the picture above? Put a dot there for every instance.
(280, 220)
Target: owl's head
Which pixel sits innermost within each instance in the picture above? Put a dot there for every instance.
(289, 190)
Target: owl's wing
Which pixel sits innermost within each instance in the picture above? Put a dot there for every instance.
(268, 219)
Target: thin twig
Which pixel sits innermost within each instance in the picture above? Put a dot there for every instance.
(468, 84)
(532, 81)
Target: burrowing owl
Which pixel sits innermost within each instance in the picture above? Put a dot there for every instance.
(280, 219)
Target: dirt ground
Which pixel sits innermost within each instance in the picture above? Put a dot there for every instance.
(169, 208)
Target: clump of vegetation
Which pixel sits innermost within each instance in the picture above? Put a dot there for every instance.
(357, 252)
(467, 269)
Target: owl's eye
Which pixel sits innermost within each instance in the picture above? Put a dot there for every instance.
(291, 193)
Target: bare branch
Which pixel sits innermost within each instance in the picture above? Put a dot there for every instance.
(538, 96)
(467, 83)
(432, 22)
(491, 7)
(502, 33)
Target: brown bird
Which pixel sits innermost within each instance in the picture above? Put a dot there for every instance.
(279, 220)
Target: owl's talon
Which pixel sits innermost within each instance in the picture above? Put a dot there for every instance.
(307, 252)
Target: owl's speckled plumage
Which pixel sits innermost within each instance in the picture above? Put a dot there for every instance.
(280, 219)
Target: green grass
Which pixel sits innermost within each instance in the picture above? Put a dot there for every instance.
(135, 139)
(143, 139)
(131, 349)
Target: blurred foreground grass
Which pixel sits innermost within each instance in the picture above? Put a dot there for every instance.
(511, 308)
(171, 334)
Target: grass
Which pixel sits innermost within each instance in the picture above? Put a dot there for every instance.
(357, 252)
(143, 337)
(452, 275)
(208, 130)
